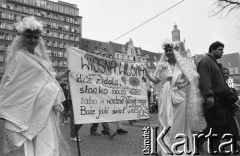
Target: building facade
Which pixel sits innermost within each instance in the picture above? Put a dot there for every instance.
(122, 52)
(232, 62)
(61, 21)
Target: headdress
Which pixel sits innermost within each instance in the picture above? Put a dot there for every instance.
(28, 23)
(194, 109)
(167, 44)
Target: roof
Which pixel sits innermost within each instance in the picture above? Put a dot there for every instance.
(94, 46)
(110, 48)
(116, 47)
(230, 60)
(152, 58)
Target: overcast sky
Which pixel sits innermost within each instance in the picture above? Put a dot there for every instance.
(105, 20)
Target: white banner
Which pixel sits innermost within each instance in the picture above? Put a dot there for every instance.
(104, 90)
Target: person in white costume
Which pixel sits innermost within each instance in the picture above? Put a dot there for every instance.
(175, 108)
(30, 96)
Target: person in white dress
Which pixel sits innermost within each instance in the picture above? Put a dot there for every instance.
(172, 76)
(30, 96)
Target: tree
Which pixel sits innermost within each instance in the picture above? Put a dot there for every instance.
(221, 7)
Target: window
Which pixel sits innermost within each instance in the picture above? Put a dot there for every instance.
(54, 25)
(60, 26)
(71, 37)
(60, 35)
(2, 25)
(60, 44)
(18, 18)
(55, 44)
(65, 63)
(117, 56)
(2, 36)
(49, 43)
(66, 27)
(1, 69)
(4, 15)
(49, 52)
(64, 45)
(66, 36)
(1, 58)
(54, 63)
(1, 46)
(60, 63)
(54, 53)
(6, 47)
(10, 26)
(9, 37)
(55, 34)
(67, 19)
(4, 5)
(60, 54)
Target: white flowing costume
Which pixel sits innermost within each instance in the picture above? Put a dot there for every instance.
(28, 94)
(177, 109)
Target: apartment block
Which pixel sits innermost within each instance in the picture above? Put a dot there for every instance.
(62, 27)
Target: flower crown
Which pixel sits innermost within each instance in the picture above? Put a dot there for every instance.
(167, 43)
(28, 23)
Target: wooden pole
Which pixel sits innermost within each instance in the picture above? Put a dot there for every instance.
(78, 145)
(76, 129)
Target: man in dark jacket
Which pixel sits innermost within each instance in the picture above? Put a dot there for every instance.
(215, 91)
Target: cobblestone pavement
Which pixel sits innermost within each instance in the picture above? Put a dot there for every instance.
(121, 145)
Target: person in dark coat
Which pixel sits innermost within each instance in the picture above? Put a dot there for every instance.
(216, 95)
(65, 103)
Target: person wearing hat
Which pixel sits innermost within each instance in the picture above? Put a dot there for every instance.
(30, 96)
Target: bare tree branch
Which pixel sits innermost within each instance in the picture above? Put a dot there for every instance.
(230, 1)
(234, 7)
(225, 6)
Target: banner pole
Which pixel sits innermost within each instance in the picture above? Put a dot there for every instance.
(76, 129)
(78, 145)
(148, 121)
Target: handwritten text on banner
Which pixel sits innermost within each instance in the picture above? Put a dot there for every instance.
(105, 90)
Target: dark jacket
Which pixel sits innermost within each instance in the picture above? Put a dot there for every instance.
(212, 81)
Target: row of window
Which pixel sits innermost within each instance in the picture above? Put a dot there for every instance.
(60, 26)
(51, 43)
(56, 53)
(58, 63)
(60, 71)
(54, 63)
(47, 5)
(132, 58)
(4, 25)
(4, 36)
(45, 23)
(60, 35)
(4, 47)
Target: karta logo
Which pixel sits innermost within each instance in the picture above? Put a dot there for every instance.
(153, 141)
